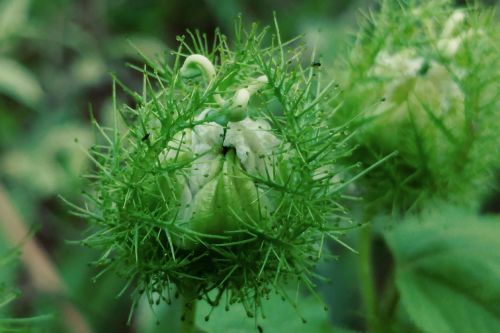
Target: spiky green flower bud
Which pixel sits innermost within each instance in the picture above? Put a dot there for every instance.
(227, 178)
(424, 82)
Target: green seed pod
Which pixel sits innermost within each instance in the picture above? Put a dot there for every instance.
(216, 193)
(226, 194)
(422, 82)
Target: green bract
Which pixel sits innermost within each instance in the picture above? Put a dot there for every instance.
(217, 193)
(227, 176)
(423, 81)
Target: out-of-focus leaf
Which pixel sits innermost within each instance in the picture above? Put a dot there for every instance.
(13, 16)
(89, 70)
(280, 317)
(18, 83)
(136, 47)
(152, 318)
(448, 272)
(51, 163)
(9, 126)
(225, 11)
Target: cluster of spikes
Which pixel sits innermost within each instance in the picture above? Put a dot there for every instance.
(225, 183)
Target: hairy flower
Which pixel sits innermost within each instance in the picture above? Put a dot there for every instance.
(423, 83)
(227, 178)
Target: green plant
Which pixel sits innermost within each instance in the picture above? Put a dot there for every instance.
(422, 80)
(447, 268)
(226, 179)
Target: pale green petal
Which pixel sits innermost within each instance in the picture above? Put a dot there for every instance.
(223, 202)
(254, 143)
(216, 194)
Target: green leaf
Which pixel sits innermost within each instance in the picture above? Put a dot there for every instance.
(280, 317)
(158, 318)
(19, 83)
(50, 160)
(13, 16)
(448, 272)
(140, 47)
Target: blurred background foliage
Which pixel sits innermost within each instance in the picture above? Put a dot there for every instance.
(56, 61)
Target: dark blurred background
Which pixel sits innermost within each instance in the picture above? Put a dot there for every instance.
(56, 58)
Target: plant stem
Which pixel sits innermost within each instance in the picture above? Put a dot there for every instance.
(389, 299)
(366, 278)
(188, 324)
